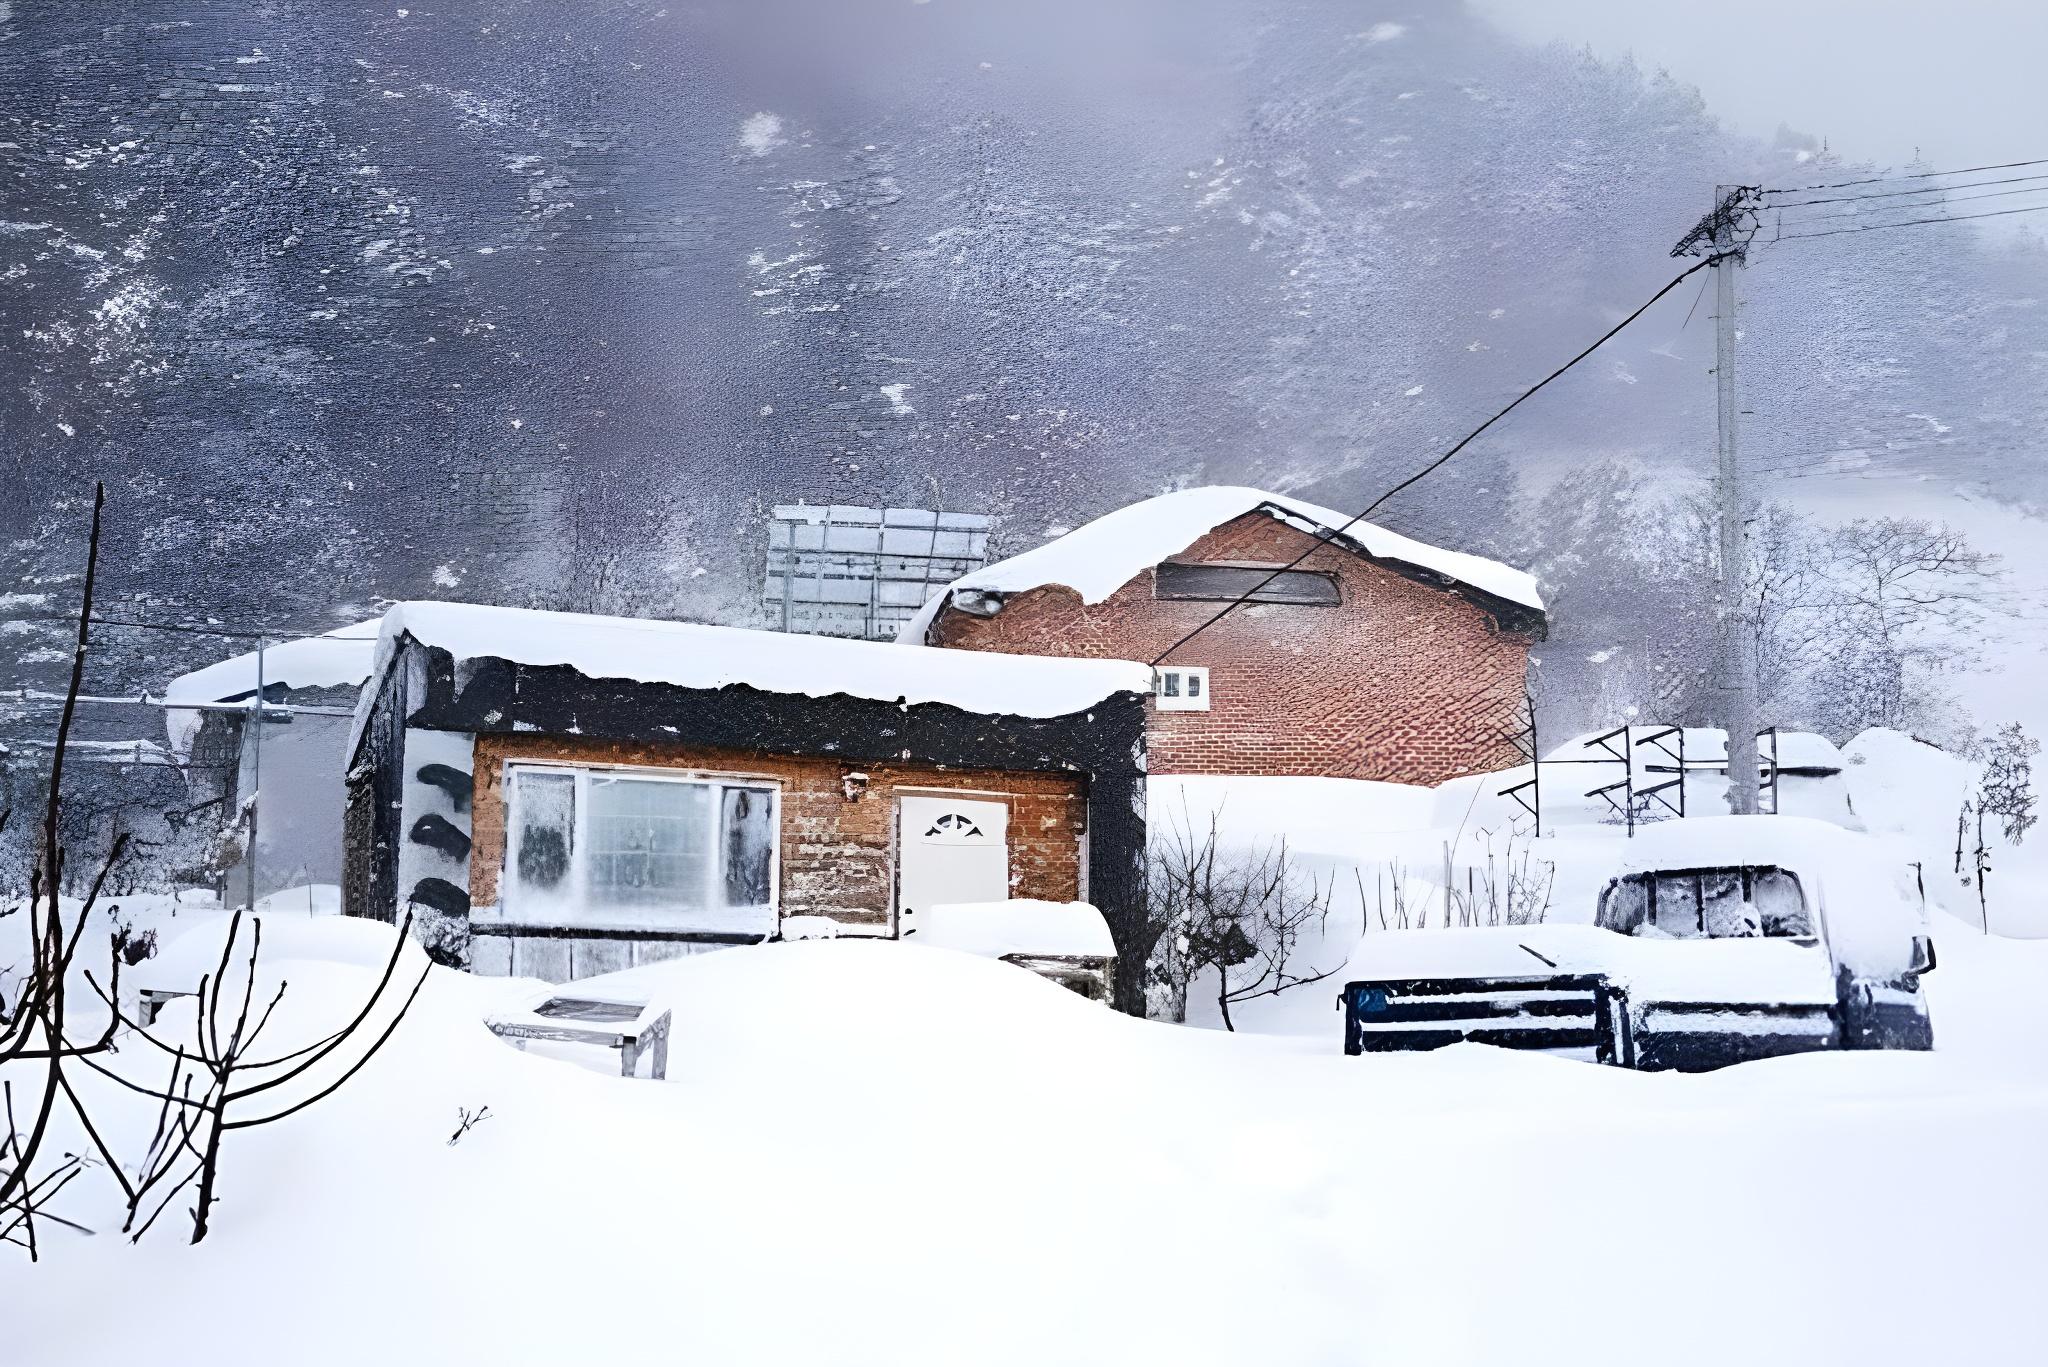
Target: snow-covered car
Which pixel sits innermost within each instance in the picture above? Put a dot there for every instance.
(1709, 941)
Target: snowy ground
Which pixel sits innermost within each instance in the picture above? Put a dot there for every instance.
(878, 1153)
(873, 1152)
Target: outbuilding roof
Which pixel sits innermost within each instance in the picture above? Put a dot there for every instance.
(688, 655)
(333, 659)
(1100, 557)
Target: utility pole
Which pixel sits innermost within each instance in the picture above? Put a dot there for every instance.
(255, 770)
(1724, 235)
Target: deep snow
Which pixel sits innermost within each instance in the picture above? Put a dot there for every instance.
(870, 1153)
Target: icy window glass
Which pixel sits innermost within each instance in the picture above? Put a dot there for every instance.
(1625, 906)
(599, 847)
(749, 842)
(648, 843)
(545, 830)
(1725, 912)
(1780, 903)
(1721, 904)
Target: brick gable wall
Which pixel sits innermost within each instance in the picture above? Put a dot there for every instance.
(837, 856)
(1402, 681)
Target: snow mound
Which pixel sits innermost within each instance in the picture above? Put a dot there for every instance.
(354, 941)
(1100, 557)
(1320, 815)
(1022, 925)
(688, 655)
(780, 1005)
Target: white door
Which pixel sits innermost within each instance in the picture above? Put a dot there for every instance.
(953, 850)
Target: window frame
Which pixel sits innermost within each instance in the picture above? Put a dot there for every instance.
(1256, 568)
(1181, 700)
(622, 919)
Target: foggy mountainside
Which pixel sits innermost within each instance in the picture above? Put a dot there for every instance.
(516, 302)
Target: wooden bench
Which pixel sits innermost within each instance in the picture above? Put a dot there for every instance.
(568, 1019)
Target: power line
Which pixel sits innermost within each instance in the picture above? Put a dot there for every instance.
(1923, 190)
(1438, 463)
(1917, 175)
(232, 633)
(1941, 203)
(1912, 222)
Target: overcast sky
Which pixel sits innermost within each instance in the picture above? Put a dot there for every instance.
(1964, 81)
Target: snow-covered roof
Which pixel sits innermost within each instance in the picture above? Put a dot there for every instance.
(1020, 926)
(1097, 559)
(687, 655)
(334, 659)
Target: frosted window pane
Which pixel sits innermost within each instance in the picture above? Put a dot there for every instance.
(1780, 903)
(1728, 913)
(648, 843)
(749, 841)
(545, 830)
(1626, 905)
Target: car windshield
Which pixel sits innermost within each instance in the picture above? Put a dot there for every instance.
(1715, 904)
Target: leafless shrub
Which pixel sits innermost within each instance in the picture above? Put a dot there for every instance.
(34, 1025)
(1241, 913)
(202, 1100)
(1511, 888)
(470, 1119)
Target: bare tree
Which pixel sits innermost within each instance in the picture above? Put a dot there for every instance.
(34, 1025)
(1239, 913)
(209, 1081)
(2006, 789)
(201, 1102)
(1904, 580)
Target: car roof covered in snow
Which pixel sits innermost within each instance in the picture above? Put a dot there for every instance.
(687, 655)
(334, 659)
(1100, 557)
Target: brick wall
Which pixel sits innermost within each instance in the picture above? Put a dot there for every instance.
(837, 856)
(1401, 681)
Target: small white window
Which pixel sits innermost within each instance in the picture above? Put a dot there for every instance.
(1181, 689)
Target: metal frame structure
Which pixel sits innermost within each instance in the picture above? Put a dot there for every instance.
(863, 572)
(1627, 799)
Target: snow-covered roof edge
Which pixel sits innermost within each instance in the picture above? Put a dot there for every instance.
(687, 655)
(333, 659)
(1100, 557)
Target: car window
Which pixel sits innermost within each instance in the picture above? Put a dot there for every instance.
(1715, 904)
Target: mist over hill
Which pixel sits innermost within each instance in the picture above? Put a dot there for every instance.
(517, 302)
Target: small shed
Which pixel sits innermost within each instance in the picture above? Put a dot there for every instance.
(559, 795)
(308, 685)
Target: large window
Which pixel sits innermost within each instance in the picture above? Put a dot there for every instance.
(625, 849)
(1716, 904)
(1252, 583)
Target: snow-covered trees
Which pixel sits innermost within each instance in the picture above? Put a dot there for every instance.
(1853, 625)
